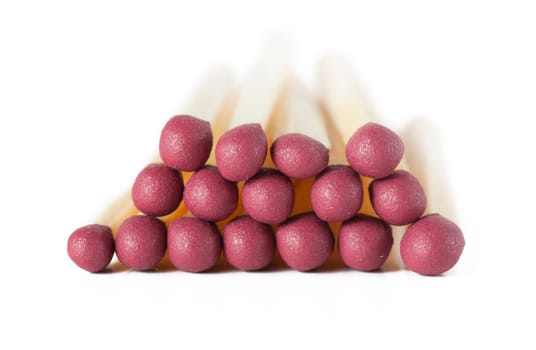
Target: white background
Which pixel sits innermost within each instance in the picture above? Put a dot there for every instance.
(86, 87)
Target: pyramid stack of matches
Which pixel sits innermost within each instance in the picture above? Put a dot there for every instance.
(272, 169)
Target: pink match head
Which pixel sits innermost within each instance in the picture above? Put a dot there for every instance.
(248, 244)
(305, 242)
(185, 143)
(209, 196)
(194, 245)
(241, 151)
(141, 242)
(91, 247)
(398, 199)
(432, 245)
(268, 197)
(374, 150)
(157, 190)
(337, 193)
(299, 156)
(365, 242)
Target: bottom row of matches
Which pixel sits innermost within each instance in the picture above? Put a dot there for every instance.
(430, 246)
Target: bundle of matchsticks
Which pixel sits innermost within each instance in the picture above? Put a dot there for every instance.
(364, 233)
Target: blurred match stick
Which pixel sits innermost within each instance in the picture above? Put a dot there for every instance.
(209, 102)
(343, 96)
(426, 160)
(301, 114)
(262, 87)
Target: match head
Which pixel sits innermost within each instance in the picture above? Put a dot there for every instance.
(268, 197)
(185, 143)
(141, 242)
(248, 244)
(241, 152)
(91, 247)
(299, 156)
(337, 193)
(209, 196)
(365, 242)
(374, 150)
(157, 190)
(194, 245)
(432, 245)
(304, 241)
(398, 199)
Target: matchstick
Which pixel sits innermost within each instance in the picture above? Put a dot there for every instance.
(302, 114)
(425, 159)
(262, 87)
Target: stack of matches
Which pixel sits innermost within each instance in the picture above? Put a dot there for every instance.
(287, 173)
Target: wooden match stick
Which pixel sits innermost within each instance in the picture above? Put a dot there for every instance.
(342, 96)
(302, 115)
(426, 161)
(263, 86)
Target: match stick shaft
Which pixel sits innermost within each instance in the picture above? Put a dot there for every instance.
(425, 158)
(263, 86)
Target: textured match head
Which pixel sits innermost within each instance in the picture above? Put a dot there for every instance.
(365, 243)
(194, 245)
(374, 150)
(209, 196)
(241, 151)
(337, 193)
(248, 244)
(185, 143)
(141, 242)
(398, 199)
(157, 190)
(304, 241)
(268, 197)
(432, 245)
(91, 247)
(299, 156)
